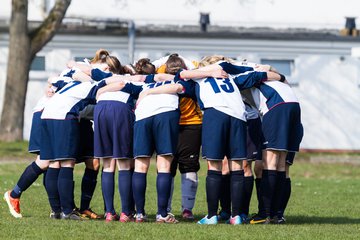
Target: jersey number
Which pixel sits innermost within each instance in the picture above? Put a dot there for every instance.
(226, 87)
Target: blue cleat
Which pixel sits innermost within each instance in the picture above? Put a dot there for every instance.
(208, 221)
(235, 220)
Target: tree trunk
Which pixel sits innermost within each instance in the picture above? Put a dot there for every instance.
(12, 117)
(23, 47)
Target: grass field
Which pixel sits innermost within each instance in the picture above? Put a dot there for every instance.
(325, 204)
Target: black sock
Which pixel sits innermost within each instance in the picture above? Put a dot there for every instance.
(88, 185)
(248, 188)
(213, 188)
(268, 184)
(52, 177)
(278, 193)
(261, 210)
(66, 189)
(285, 198)
(29, 176)
(225, 194)
(237, 190)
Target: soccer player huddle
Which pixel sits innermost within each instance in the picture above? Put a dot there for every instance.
(101, 111)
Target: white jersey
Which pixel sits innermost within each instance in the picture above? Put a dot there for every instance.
(71, 99)
(41, 104)
(274, 93)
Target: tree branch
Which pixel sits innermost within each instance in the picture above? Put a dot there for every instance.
(45, 32)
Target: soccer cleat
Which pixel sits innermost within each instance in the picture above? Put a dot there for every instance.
(111, 217)
(260, 220)
(88, 213)
(13, 204)
(140, 218)
(55, 215)
(74, 215)
(126, 218)
(170, 218)
(235, 220)
(279, 220)
(224, 216)
(244, 218)
(208, 221)
(187, 215)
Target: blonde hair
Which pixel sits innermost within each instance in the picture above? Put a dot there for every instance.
(208, 60)
(103, 56)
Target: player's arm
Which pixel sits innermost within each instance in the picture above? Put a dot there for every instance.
(201, 73)
(172, 88)
(111, 87)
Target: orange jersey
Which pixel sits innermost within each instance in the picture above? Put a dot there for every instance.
(190, 112)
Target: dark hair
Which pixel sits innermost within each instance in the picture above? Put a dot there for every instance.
(174, 64)
(144, 66)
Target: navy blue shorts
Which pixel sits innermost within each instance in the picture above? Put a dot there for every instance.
(156, 133)
(59, 139)
(113, 130)
(290, 158)
(223, 135)
(86, 144)
(35, 133)
(282, 128)
(255, 139)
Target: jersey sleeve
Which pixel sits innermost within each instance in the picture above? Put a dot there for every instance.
(98, 75)
(250, 79)
(133, 89)
(189, 89)
(234, 69)
(150, 78)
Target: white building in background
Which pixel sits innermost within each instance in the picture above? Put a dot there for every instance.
(300, 38)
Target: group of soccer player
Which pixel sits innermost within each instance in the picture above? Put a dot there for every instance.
(99, 110)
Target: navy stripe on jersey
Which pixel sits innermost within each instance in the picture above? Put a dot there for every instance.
(98, 75)
(250, 79)
(272, 96)
(70, 85)
(69, 74)
(234, 69)
(59, 85)
(150, 78)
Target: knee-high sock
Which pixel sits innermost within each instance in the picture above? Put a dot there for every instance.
(248, 188)
(125, 190)
(285, 198)
(189, 185)
(52, 177)
(268, 185)
(88, 185)
(27, 178)
(107, 186)
(169, 205)
(66, 189)
(261, 210)
(225, 194)
(163, 187)
(213, 189)
(237, 190)
(278, 193)
(139, 190)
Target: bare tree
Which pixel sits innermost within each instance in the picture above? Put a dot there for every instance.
(23, 46)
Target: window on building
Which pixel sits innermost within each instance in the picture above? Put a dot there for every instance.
(284, 66)
(38, 64)
(81, 59)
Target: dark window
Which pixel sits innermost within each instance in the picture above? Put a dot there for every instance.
(283, 66)
(81, 59)
(38, 64)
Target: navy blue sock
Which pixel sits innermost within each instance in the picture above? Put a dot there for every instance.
(125, 186)
(268, 184)
(237, 190)
(88, 185)
(44, 178)
(278, 193)
(108, 189)
(29, 176)
(132, 201)
(52, 177)
(247, 192)
(66, 189)
(286, 197)
(139, 189)
(213, 189)
(163, 187)
(225, 194)
(261, 210)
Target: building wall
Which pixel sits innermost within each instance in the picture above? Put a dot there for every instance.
(324, 76)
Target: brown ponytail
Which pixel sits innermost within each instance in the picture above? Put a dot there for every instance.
(174, 64)
(100, 56)
(144, 66)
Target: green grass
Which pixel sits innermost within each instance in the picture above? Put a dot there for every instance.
(15, 150)
(324, 205)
